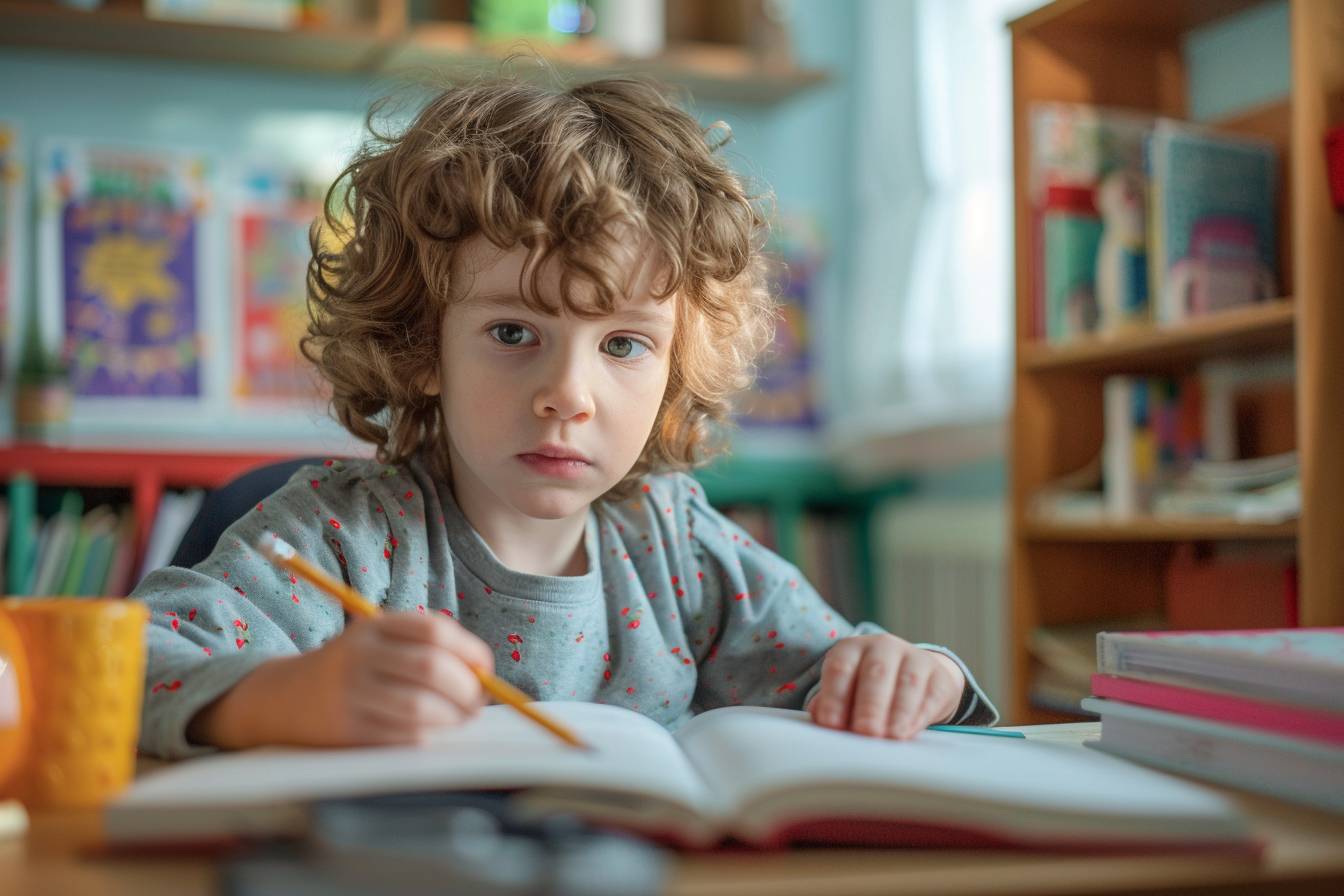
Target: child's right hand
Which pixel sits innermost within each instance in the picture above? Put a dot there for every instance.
(390, 679)
(394, 678)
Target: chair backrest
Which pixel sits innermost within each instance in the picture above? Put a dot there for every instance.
(228, 503)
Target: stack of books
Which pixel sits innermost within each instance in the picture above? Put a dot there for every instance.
(1262, 710)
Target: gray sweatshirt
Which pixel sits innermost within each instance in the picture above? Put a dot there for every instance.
(679, 611)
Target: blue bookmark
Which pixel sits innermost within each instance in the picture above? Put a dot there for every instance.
(973, 729)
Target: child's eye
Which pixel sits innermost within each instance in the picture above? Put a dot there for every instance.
(624, 347)
(513, 334)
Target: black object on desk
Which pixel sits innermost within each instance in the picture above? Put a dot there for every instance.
(413, 844)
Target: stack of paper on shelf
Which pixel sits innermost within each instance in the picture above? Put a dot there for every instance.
(1257, 709)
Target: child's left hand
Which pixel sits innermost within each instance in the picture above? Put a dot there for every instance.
(883, 686)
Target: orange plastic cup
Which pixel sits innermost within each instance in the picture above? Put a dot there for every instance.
(78, 672)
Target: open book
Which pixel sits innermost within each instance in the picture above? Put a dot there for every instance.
(761, 776)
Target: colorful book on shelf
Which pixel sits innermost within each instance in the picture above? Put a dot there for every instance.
(120, 238)
(1299, 769)
(120, 571)
(21, 556)
(175, 512)
(79, 555)
(1213, 203)
(1153, 432)
(1073, 149)
(761, 776)
(1220, 706)
(1301, 667)
(102, 525)
(59, 534)
(1069, 232)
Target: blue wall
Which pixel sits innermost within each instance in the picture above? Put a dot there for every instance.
(1240, 62)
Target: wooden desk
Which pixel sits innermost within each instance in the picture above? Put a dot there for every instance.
(1305, 855)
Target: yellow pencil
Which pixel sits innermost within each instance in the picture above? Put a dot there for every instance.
(280, 552)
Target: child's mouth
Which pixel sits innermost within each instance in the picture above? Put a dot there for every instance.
(559, 467)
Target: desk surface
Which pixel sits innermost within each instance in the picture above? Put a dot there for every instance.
(1305, 855)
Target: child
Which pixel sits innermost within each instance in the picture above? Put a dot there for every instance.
(542, 301)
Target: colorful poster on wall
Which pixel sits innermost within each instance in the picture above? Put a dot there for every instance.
(784, 393)
(271, 223)
(127, 234)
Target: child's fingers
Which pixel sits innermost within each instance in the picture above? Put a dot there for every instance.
(912, 684)
(441, 632)
(402, 713)
(831, 705)
(875, 687)
(427, 666)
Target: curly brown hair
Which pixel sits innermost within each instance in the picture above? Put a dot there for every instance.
(569, 174)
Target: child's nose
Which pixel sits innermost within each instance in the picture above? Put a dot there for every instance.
(565, 392)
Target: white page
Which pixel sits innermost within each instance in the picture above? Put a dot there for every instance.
(498, 749)
(760, 755)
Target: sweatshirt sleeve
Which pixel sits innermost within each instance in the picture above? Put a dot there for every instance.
(764, 628)
(213, 624)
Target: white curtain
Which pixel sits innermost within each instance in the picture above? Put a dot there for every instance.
(928, 328)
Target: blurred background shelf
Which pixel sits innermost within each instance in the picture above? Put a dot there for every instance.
(385, 39)
(124, 29)
(1117, 54)
(145, 474)
(1256, 328)
(1194, 529)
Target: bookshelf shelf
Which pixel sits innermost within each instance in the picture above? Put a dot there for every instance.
(145, 473)
(387, 41)
(719, 71)
(1159, 19)
(1255, 328)
(124, 29)
(77, 466)
(1129, 54)
(1148, 529)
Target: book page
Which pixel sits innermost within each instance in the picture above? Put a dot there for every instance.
(500, 749)
(776, 765)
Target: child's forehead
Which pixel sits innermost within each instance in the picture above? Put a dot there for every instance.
(489, 276)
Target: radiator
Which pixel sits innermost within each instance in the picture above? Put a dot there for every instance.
(941, 577)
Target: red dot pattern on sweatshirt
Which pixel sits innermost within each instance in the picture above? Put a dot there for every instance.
(768, 604)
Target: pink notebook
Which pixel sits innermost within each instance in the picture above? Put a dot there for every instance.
(1271, 717)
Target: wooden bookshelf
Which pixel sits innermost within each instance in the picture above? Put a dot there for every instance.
(1253, 329)
(1128, 53)
(1149, 529)
(144, 473)
(386, 38)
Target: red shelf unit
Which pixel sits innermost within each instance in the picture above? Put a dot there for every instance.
(145, 473)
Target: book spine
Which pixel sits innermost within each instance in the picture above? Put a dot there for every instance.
(22, 541)
(1119, 484)
(1272, 717)
(1285, 767)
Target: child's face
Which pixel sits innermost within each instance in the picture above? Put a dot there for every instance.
(545, 414)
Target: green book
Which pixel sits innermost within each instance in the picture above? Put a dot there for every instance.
(58, 541)
(79, 557)
(102, 523)
(22, 541)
